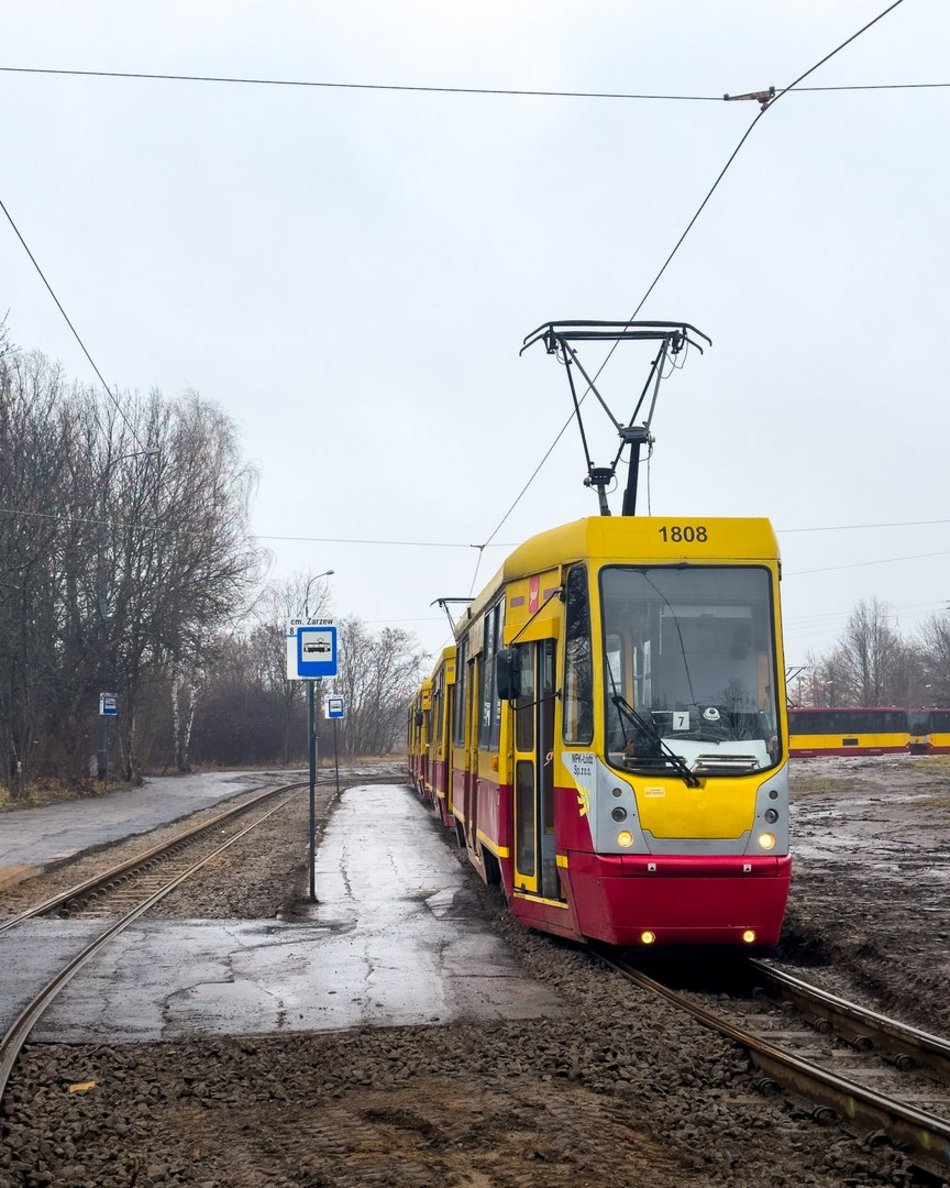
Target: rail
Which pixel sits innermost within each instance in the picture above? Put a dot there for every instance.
(16, 1035)
(924, 1137)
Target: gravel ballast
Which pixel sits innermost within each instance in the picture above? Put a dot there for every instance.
(621, 1091)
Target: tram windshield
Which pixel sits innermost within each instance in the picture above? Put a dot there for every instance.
(689, 669)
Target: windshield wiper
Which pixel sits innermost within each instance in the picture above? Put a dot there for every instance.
(649, 729)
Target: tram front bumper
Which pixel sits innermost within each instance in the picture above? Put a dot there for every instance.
(632, 900)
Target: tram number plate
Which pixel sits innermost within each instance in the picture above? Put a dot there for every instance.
(680, 533)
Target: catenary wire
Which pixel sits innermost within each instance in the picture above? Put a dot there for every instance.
(353, 86)
(689, 226)
(460, 90)
(75, 332)
(98, 521)
(416, 544)
(440, 544)
(148, 76)
(862, 564)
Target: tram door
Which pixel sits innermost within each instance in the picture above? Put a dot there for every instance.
(471, 779)
(535, 866)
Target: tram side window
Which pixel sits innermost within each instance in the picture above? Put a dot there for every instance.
(437, 714)
(490, 724)
(458, 708)
(578, 661)
(495, 734)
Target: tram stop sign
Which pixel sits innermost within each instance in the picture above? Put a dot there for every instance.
(108, 705)
(311, 649)
(335, 708)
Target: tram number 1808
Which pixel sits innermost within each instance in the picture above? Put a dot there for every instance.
(687, 533)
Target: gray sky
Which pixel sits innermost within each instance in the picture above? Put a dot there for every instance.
(350, 273)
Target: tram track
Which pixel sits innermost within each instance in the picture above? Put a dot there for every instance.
(149, 889)
(877, 1076)
(73, 899)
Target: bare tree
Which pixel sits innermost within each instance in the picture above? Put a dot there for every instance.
(123, 547)
(281, 602)
(377, 675)
(934, 659)
(871, 665)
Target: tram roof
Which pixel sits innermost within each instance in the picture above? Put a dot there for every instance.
(635, 540)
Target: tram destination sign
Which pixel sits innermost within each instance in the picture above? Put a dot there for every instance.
(312, 646)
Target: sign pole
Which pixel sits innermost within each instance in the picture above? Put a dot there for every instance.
(336, 757)
(312, 646)
(108, 708)
(312, 752)
(103, 761)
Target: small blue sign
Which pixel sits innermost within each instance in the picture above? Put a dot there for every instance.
(108, 705)
(316, 651)
(336, 707)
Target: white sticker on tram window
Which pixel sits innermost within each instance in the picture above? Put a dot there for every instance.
(681, 719)
(654, 791)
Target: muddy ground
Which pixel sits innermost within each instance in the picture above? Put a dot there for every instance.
(622, 1091)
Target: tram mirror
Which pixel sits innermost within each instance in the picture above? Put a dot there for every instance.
(507, 675)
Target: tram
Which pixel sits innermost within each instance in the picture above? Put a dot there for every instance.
(847, 730)
(868, 730)
(614, 742)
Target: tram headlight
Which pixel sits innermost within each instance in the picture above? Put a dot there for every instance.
(625, 838)
(749, 936)
(647, 938)
(767, 840)
(771, 815)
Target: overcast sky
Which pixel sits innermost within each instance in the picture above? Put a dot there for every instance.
(350, 273)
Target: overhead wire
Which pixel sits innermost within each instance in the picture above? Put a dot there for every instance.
(450, 544)
(69, 323)
(417, 544)
(354, 86)
(863, 564)
(856, 527)
(235, 80)
(766, 106)
(463, 90)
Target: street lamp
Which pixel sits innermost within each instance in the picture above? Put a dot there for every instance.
(306, 597)
(312, 747)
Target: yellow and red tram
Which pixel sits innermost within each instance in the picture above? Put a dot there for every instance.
(868, 730)
(609, 736)
(417, 734)
(430, 749)
(929, 730)
(848, 730)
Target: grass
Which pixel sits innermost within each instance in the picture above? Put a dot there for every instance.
(937, 762)
(823, 783)
(44, 792)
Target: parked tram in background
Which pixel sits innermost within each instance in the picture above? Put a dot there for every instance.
(929, 729)
(867, 730)
(610, 743)
(847, 730)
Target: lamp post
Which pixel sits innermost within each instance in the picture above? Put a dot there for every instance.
(312, 747)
